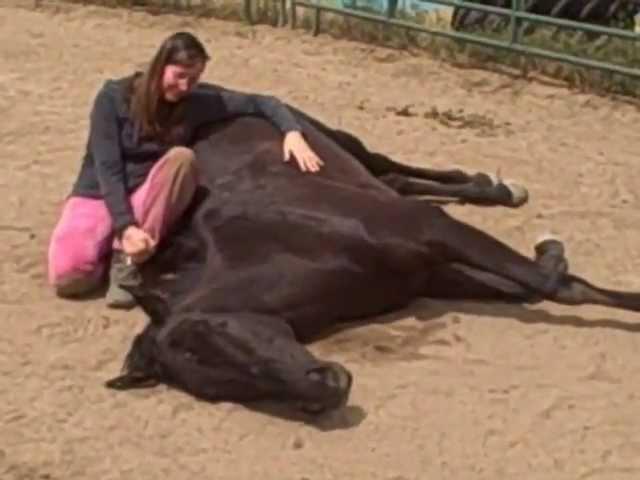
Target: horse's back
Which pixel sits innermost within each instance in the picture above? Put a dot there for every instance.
(253, 144)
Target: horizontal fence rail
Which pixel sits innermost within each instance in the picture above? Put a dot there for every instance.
(516, 14)
(514, 44)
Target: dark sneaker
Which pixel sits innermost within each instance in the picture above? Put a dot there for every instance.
(119, 274)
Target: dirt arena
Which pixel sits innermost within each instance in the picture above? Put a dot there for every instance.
(450, 390)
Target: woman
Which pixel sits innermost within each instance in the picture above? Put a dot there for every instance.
(137, 176)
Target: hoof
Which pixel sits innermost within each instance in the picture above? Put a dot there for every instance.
(509, 194)
(548, 243)
(547, 236)
(550, 254)
(519, 194)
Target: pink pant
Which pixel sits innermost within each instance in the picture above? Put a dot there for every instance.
(83, 239)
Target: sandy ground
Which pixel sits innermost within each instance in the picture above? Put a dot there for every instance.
(449, 390)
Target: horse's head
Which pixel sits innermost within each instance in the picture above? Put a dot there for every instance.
(230, 357)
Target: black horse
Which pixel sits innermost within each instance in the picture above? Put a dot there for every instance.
(269, 257)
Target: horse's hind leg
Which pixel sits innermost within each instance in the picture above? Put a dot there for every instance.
(478, 188)
(379, 164)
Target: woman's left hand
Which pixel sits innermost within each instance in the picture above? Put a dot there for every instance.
(295, 145)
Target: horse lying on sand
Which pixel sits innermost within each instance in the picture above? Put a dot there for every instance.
(271, 257)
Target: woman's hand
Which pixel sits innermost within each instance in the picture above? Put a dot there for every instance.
(296, 145)
(137, 244)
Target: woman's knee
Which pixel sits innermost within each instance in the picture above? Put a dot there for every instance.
(180, 158)
(76, 284)
(179, 164)
(75, 266)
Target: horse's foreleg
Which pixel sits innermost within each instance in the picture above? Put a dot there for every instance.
(458, 281)
(574, 290)
(456, 241)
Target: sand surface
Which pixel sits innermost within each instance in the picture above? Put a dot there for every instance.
(448, 390)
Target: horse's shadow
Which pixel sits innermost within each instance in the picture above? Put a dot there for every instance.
(347, 417)
(530, 314)
(427, 309)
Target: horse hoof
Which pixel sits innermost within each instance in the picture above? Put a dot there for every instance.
(548, 243)
(550, 254)
(519, 194)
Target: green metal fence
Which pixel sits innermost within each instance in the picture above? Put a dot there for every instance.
(513, 44)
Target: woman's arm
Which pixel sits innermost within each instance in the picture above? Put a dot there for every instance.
(104, 145)
(213, 103)
(268, 106)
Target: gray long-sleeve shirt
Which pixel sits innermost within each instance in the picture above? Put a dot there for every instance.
(117, 161)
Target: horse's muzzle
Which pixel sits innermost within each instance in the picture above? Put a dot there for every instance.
(333, 382)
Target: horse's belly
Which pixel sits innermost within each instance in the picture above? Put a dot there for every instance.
(314, 293)
(298, 262)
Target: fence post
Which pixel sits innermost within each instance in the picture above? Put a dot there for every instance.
(294, 14)
(316, 22)
(516, 6)
(392, 7)
(248, 15)
(283, 19)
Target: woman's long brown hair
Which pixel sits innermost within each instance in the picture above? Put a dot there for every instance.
(154, 118)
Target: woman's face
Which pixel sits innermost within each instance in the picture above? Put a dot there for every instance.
(178, 80)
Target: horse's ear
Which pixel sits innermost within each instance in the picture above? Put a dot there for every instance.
(152, 303)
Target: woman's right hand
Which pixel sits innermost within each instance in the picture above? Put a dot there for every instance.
(137, 244)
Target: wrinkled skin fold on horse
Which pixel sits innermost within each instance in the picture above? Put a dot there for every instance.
(270, 257)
